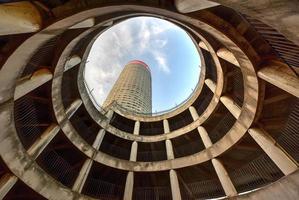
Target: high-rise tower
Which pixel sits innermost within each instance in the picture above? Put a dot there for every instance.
(133, 89)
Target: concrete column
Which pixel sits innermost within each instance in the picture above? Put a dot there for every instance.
(109, 115)
(19, 17)
(193, 5)
(166, 126)
(134, 148)
(227, 55)
(204, 136)
(71, 62)
(6, 183)
(273, 150)
(73, 108)
(129, 186)
(211, 84)
(233, 108)
(136, 128)
(82, 176)
(37, 79)
(281, 76)
(194, 113)
(224, 178)
(90, 22)
(202, 45)
(169, 149)
(40, 144)
(175, 187)
(98, 141)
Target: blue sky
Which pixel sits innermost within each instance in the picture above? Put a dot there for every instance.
(166, 48)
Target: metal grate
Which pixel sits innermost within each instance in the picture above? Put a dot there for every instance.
(152, 193)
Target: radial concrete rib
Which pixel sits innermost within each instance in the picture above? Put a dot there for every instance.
(37, 79)
(72, 62)
(133, 154)
(6, 183)
(283, 161)
(227, 55)
(166, 126)
(193, 5)
(129, 186)
(136, 128)
(175, 187)
(82, 176)
(19, 17)
(41, 143)
(84, 24)
(233, 108)
(73, 108)
(281, 76)
(211, 84)
(98, 141)
(221, 172)
(202, 45)
(224, 178)
(169, 150)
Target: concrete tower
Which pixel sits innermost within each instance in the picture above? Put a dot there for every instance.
(133, 89)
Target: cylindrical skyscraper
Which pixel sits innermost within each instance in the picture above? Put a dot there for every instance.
(133, 88)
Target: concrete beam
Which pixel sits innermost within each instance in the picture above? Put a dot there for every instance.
(133, 154)
(84, 24)
(224, 178)
(40, 144)
(98, 141)
(193, 113)
(37, 79)
(202, 45)
(284, 162)
(175, 187)
(136, 128)
(71, 62)
(166, 126)
(233, 108)
(169, 150)
(73, 108)
(281, 76)
(227, 55)
(19, 17)
(211, 84)
(82, 176)
(129, 186)
(7, 181)
(193, 5)
(204, 136)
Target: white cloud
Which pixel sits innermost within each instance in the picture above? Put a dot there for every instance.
(131, 39)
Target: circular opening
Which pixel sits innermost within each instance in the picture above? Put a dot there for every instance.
(163, 61)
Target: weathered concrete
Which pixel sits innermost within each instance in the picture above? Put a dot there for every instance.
(193, 5)
(193, 113)
(274, 151)
(166, 126)
(40, 144)
(227, 55)
(224, 178)
(169, 150)
(204, 137)
(19, 17)
(281, 76)
(37, 79)
(233, 107)
(280, 14)
(134, 149)
(136, 128)
(82, 176)
(84, 24)
(211, 85)
(175, 187)
(7, 181)
(129, 186)
(98, 141)
(72, 62)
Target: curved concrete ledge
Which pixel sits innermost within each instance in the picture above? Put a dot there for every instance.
(25, 168)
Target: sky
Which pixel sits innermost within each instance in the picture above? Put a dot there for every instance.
(167, 49)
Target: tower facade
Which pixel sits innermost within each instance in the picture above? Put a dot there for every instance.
(133, 88)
